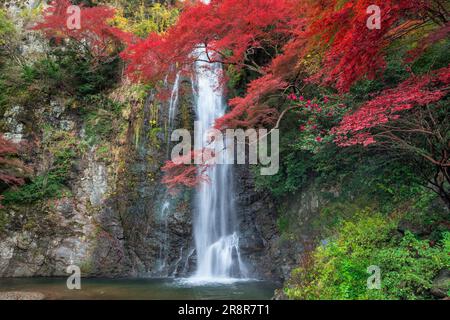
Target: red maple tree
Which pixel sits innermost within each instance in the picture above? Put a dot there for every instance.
(287, 44)
(96, 34)
(386, 107)
(407, 119)
(182, 171)
(230, 30)
(9, 163)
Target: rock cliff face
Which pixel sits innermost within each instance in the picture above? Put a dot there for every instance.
(117, 219)
(109, 221)
(42, 238)
(112, 216)
(269, 252)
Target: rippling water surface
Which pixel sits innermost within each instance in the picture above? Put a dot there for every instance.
(141, 289)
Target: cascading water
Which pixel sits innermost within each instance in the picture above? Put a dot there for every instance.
(164, 213)
(162, 259)
(173, 104)
(215, 227)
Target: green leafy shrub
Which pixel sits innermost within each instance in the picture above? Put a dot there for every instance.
(48, 185)
(52, 183)
(101, 117)
(337, 269)
(294, 173)
(69, 71)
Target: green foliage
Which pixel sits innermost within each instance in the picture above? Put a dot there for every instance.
(60, 73)
(338, 269)
(446, 241)
(53, 182)
(435, 57)
(283, 224)
(6, 27)
(68, 71)
(156, 18)
(98, 126)
(101, 117)
(143, 19)
(49, 185)
(394, 73)
(308, 152)
(293, 174)
(7, 32)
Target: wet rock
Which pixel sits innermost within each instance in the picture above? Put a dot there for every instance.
(7, 247)
(94, 180)
(56, 109)
(416, 228)
(65, 207)
(67, 125)
(257, 225)
(13, 124)
(441, 284)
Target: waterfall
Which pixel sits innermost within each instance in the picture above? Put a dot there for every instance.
(173, 104)
(164, 211)
(164, 246)
(215, 226)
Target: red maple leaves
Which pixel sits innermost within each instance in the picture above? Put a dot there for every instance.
(351, 50)
(183, 172)
(248, 112)
(415, 91)
(95, 32)
(282, 44)
(228, 29)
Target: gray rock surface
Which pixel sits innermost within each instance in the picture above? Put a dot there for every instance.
(21, 295)
(441, 284)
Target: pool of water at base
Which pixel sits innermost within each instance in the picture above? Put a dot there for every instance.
(142, 289)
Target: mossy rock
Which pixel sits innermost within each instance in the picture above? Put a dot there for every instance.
(441, 284)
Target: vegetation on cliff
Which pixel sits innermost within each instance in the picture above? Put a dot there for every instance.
(362, 111)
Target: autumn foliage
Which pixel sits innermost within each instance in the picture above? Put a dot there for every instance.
(284, 46)
(334, 35)
(288, 44)
(183, 172)
(387, 107)
(9, 163)
(95, 33)
(350, 50)
(229, 30)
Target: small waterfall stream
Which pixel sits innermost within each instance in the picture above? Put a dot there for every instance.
(215, 226)
(165, 208)
(173, 104)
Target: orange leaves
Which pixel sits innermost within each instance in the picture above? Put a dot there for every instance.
(183, 172)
